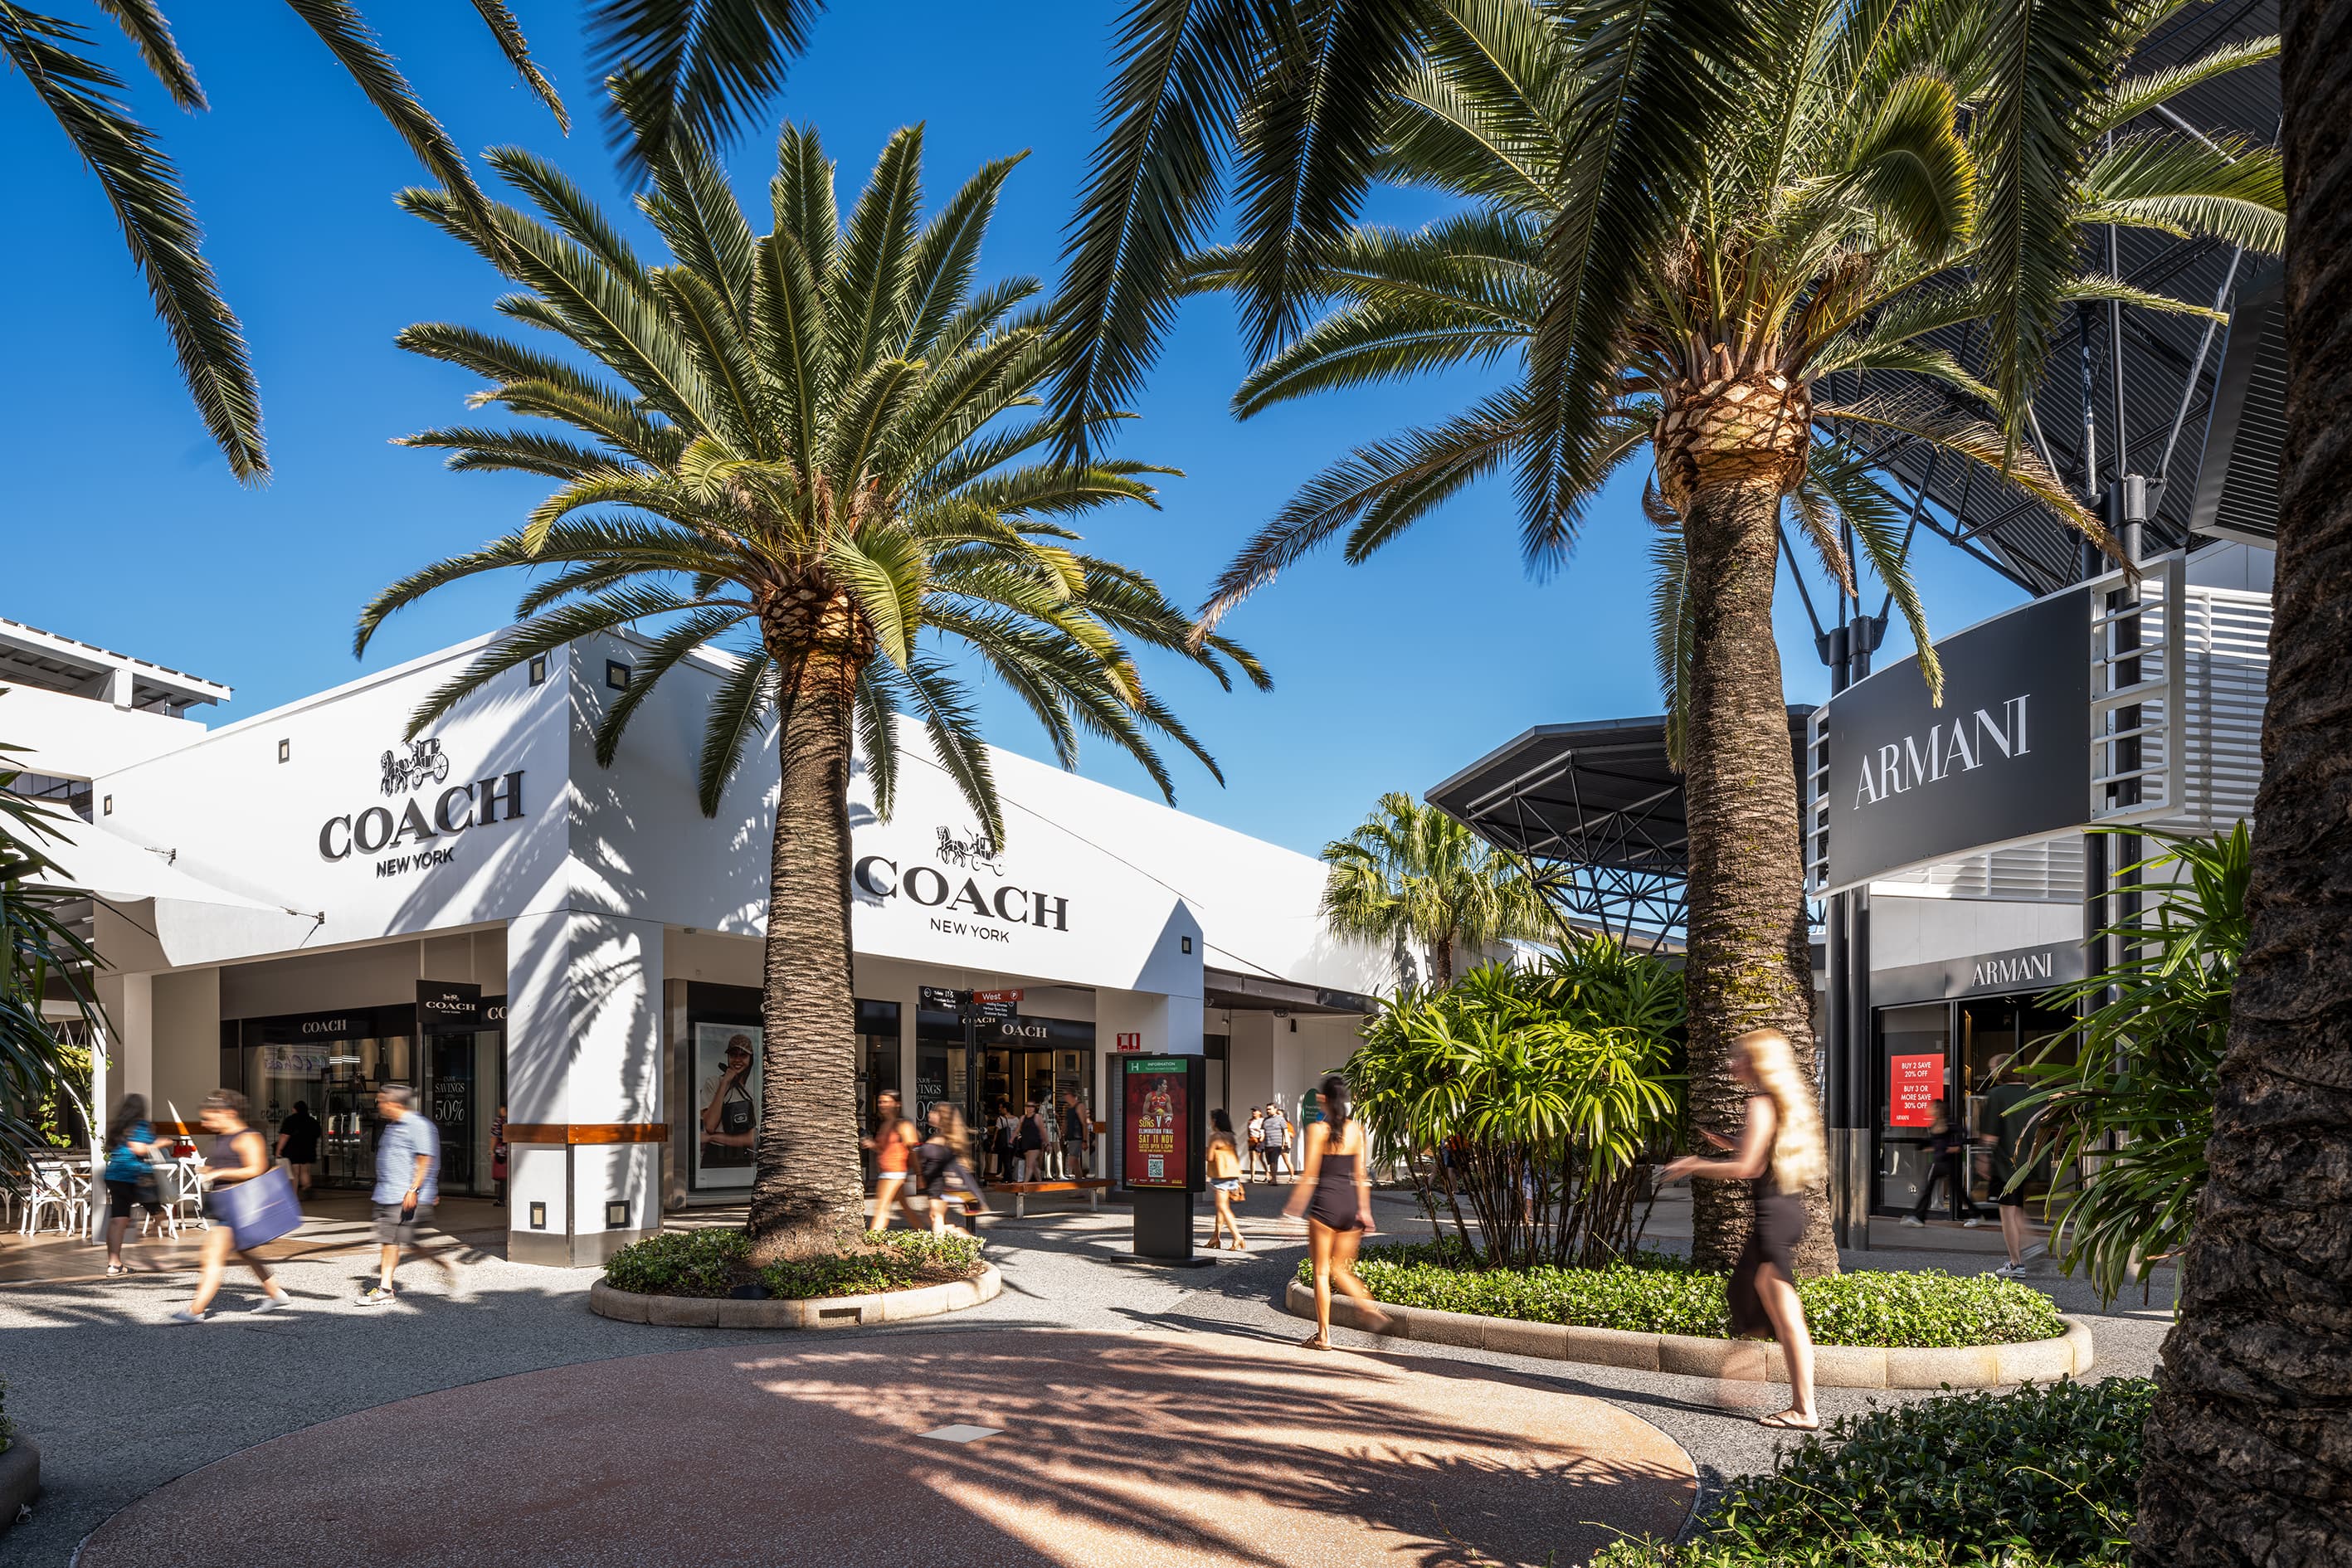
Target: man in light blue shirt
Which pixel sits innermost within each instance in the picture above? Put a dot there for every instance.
(407, 1180)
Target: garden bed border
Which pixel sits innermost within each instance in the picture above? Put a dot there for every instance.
(781, 1313)
(1834, 1366)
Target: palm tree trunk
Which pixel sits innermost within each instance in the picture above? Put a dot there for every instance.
(1440, 961)
(1749, 962)
(2249, 1451)
(807, 1191)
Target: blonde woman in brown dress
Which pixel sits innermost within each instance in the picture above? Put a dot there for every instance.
(1780, 1152)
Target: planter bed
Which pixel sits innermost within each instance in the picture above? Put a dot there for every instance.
(812, 1313)
(1834, 1366)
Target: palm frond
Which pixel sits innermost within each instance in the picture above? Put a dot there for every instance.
(517, 48)
(707, 66)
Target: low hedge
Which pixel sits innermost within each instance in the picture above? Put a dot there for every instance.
(714, 1261)
(2042, 1477)
(1654, 1293)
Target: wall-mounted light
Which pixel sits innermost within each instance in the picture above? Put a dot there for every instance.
(616, 675)
(538, 669)
(108, 809)
(285, 750)
(1188, 943)
(1294, 1026)
(539, 1216)
(617, 1214)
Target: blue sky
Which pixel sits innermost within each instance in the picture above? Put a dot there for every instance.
(124, 529)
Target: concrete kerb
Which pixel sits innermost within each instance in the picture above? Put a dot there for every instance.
(821, 1312)
(1737, 1361)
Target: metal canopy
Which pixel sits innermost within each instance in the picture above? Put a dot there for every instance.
(1598, 805)
(2137, 402)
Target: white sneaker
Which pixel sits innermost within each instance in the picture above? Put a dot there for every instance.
(273, 1304)
(1914, 1224)
(184, 1316)
(2009, 1271)
(1970, 1222)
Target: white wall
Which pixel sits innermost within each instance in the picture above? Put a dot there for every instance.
(1906, 931)
(66, 736)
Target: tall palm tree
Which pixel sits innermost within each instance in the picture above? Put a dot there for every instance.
(1841, 223)
(2249, 1453)
(806, 449)
(703, 64)
(1413, 877)
(1290, 98)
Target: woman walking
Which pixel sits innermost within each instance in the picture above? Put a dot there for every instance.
(130, 1175)
(1334, 1190)
(1779, 1149)
(1256, 1143)
(239, 1154)
(893, 1136)
(1031, 1144)
(945, 1160)
(1224, 1178)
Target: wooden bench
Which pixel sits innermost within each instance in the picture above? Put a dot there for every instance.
(1093, 1187)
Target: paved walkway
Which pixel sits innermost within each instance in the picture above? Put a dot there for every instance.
(122, 1403)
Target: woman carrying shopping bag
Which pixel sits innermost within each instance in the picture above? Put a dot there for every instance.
(253, 1200)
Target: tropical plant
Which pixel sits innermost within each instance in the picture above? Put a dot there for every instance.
(702, 64)
(2126, 1095)
(41, 956)
(2246, 1460)
(1530, 1095)
(1411, 877)
(804, 449)
(1842, 213)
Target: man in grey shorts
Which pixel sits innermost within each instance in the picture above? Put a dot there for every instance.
(407, 1180)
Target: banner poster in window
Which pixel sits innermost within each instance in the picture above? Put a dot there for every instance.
(726, 1102)
(1914, 1085)
(1157, 1115)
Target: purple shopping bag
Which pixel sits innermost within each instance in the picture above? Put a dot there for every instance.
(257, 1211)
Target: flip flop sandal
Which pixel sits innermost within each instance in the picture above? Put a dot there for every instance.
(1786, 1421)
(1315, 1342)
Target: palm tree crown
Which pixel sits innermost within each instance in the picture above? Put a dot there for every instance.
(806, 449)
(1413, 875)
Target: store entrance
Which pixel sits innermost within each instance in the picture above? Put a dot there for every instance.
(1957, 1061)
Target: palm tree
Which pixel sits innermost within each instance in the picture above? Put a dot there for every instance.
(1841, 221)
(1291, 97)
(1411, 877)
(703, 66)
(806, 449)
(2246, 1460)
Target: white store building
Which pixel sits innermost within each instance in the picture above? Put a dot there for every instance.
(301, 905)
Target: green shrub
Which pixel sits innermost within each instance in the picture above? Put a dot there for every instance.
(2040, 1477)
(1651, 1293)
(714, 1261)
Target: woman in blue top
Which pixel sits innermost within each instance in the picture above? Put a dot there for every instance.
(129, 1164)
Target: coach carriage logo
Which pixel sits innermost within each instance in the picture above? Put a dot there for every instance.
(423, 765)
(977, 853)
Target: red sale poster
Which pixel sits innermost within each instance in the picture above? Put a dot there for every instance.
(1915, 1083)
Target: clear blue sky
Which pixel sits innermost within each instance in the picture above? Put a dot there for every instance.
(124, 529)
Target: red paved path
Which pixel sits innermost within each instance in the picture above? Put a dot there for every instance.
(1164, 1451)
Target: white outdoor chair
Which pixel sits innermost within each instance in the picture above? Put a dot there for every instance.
(56, 1191)
(189, 1195)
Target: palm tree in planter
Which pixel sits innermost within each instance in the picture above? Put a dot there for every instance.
(1411, 877)
(806, 449)
(1830, 229)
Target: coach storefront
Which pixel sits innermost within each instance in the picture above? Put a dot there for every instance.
(485, 914)
(1949, 844)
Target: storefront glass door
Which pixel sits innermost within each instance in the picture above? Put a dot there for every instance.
(1913, 1071)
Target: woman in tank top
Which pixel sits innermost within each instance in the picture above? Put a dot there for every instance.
(1780, 1152)
(1334, 1189)
(894, 1135)
(239, 1154)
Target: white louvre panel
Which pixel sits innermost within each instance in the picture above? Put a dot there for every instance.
(2050, 871)
(2228, 635)
(1817, 807)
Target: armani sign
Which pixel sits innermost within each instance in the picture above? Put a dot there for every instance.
(1947, 750)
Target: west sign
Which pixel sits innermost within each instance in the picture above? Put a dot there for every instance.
(2006, 757)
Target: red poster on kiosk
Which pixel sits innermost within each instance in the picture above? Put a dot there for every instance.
(1158, 1121)
(1915, 1084)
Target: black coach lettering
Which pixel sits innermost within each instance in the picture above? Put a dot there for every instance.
(490, 792)
(862, 875)
(1019, 895)
(327, 851)
(1061, 910)
(412, 825)
(970, 895)
(915, 891)
(442, 820)
(382, 834)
